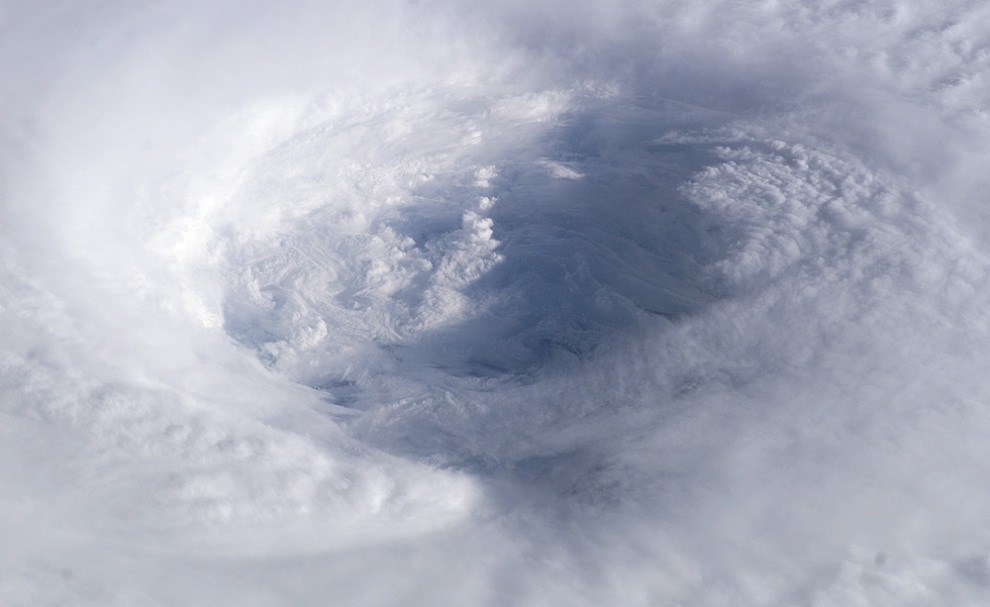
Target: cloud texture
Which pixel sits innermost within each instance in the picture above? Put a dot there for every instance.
(649, 303)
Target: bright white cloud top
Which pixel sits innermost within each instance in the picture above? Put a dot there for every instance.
(525, 303)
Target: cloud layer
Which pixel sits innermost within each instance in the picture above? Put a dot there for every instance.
(506, 303)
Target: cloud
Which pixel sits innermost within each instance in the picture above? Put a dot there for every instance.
(501, 303)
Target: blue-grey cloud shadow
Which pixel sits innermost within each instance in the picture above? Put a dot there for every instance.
(595, 237)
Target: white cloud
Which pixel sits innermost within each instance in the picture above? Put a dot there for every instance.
(511, 303)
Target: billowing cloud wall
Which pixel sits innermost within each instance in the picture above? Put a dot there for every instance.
(439, 303)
